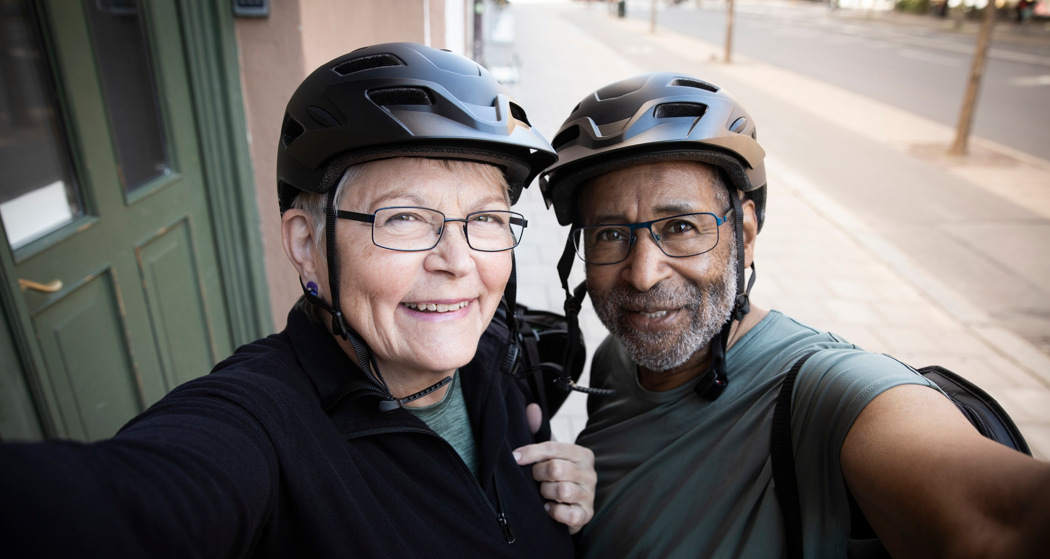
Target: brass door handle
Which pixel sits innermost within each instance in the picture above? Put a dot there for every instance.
(51, 287)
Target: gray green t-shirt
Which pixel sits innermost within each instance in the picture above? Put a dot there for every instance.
(449, 419)
(679, 476)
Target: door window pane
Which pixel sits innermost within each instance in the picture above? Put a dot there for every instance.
(37, 190)
(118, 34)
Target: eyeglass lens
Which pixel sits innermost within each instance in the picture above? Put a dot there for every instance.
(680, 235)
(412, 228)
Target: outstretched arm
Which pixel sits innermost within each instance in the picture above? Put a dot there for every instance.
(932, 486)
(566, 475)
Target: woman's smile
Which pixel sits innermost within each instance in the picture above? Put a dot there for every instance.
(435, 311)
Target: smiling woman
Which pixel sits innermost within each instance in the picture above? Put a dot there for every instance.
(421, 308)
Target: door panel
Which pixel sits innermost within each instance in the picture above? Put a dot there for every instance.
(89, 366)
(178, 308)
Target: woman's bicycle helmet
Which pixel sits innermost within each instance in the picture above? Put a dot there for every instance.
(402, 100)
(397, 100)
(651, 118)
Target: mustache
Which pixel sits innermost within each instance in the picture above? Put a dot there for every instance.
(660, 296)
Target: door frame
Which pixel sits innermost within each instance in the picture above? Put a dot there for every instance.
(215, 83)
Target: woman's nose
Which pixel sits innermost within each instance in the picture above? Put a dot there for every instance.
(452, 253)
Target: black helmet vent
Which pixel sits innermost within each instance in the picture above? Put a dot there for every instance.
(384, 60)
(290, 131)
(566, 136)
(671, 110)
(519, 113)
(322, 117)
(400, 96)
(684, 82)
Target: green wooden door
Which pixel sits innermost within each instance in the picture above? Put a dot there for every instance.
(114, 291)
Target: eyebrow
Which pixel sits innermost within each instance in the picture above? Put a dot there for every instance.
(666, 210)
(484, 201)
(416, 200)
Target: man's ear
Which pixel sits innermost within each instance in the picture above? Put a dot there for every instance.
(297, 236)
(750, 231)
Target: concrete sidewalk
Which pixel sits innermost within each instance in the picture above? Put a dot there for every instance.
(816, 261)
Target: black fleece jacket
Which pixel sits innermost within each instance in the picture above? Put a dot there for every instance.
(247, 462)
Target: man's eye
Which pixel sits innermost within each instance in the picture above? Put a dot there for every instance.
(610, 235)
(678, 227)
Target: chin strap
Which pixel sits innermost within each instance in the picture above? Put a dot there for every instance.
(510, 302)
(375, 385)
(573, 304)
(716, 379)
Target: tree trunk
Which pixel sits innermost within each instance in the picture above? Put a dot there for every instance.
(729, 31)
(984, 37)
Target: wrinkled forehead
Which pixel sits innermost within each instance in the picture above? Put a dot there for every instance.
(650, 191)
(424, 182)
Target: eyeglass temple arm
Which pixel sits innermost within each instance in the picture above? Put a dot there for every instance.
(355, 216)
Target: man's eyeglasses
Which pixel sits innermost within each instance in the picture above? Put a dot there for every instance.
(410, 228)
(677, 236)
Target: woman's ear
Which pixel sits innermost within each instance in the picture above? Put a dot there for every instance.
(750, 231)
(297, 236)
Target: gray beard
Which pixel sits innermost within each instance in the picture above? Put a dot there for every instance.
(708, 308)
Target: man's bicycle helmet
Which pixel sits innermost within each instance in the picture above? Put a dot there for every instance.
(652, 118)
(649, 118)
(397, 100)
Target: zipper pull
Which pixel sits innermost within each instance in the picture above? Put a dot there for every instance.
(505, 526)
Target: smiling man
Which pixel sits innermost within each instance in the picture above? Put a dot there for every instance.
(664, 183)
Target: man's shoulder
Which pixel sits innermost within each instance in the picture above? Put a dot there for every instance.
(779, 340)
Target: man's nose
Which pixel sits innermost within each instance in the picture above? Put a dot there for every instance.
(646, 265)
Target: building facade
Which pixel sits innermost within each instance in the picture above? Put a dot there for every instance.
(141, 238)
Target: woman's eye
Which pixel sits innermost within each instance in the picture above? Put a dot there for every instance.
(403, 217)
(488, 218)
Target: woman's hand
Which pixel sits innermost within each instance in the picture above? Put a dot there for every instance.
(566, 475)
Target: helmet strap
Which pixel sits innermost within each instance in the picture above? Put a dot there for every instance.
(741, 304)
(573, 304)
(510, 296)
(716, 379)
(365, 359)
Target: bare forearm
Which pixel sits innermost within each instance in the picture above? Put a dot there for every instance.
(1032, 533)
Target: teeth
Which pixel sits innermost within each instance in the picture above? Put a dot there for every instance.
(656, 314)
(437, 307)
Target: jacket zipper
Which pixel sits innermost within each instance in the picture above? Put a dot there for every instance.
(497, 511)
(501, 516)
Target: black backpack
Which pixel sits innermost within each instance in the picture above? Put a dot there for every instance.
(544, 346)
(984, 413)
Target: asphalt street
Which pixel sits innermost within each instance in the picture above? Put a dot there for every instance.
(919, 68)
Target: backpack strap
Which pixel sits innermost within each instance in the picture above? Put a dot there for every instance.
(983, 412)
(783, 457)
